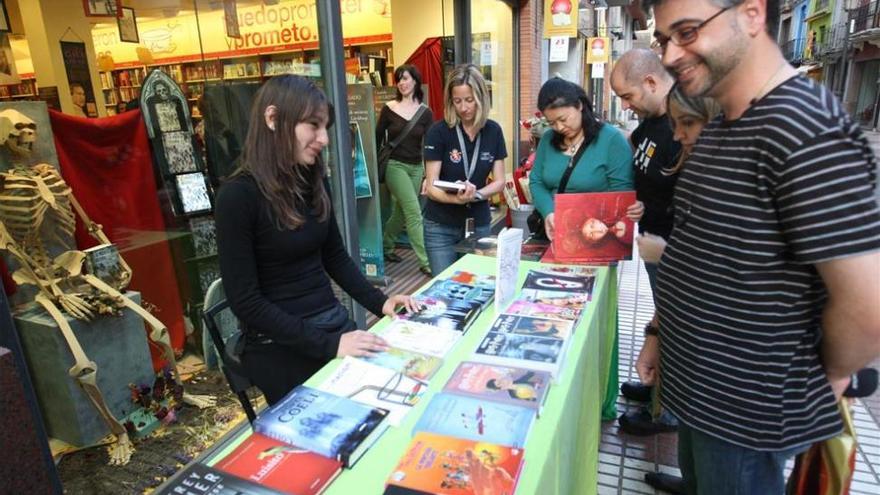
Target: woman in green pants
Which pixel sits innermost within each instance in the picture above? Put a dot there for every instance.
(405, 168)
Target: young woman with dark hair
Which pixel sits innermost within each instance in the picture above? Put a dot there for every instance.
(278, 241)
(605, 165)
(405, 170)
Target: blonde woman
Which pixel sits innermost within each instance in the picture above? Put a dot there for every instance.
(464, 149)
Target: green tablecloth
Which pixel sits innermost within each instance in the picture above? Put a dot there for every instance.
(561, 454)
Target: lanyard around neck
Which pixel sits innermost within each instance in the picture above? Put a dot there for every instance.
(469, 166)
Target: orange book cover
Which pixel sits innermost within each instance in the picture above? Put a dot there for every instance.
(276, 465)
(593, 227)
(437, 464)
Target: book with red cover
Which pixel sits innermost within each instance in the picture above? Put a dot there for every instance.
(274, 464)
(437, 464)
(593, 227)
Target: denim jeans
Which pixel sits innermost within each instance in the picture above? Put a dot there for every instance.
(711, 466)
(404, 181)
(440, 239)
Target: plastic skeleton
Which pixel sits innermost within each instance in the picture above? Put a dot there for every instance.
(35, 207)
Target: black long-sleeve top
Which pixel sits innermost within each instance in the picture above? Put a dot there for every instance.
(410, 149)
(274, 278)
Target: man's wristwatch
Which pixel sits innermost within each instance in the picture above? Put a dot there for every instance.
(651, 330)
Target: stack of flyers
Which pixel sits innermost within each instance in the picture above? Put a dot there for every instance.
(423, 339)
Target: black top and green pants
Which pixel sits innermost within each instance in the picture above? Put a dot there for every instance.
(403, 177)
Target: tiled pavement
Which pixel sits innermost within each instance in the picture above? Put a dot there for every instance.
(624, 459)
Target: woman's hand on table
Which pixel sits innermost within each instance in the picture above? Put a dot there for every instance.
(360, 343)
(550, 225)
(651, 247)
(635, 211)
(398, 300)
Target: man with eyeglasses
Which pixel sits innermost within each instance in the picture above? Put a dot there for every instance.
(768, 288)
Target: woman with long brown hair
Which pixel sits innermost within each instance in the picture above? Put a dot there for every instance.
(278, 241)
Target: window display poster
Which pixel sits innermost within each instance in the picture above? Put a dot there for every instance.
(76, 64)
(362, 187)
(363, 116)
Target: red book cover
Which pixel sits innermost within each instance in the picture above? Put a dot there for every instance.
(437, 464)
(593, 227)
(280, 466)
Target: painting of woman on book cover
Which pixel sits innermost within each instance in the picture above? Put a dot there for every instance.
(593, 227)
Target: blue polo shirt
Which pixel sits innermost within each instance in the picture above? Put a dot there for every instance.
(441, 144)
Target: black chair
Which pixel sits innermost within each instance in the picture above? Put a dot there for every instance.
(223, 328)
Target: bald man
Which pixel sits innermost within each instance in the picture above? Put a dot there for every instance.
(642, 83)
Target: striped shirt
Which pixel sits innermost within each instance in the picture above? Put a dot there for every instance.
(761, 200)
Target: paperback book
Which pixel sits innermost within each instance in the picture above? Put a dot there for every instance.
(532, 326)
(557, 282)
(451, 289)
(517, 386)
(209, 480)
(524, 307)
(593, 226)
(478, 420)
(412, 364)
(423, 339)
(329, 425)
(437, 464)
(274, 464)
(524, 351)
(451, 314)
(375, 386)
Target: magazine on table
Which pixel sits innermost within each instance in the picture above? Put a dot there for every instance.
(433, 464)
(451, 314)
(593, 226)
(476, 419)
(375, 386)
(274, 464)
(329, 425)
(517, 386)
(412, 364)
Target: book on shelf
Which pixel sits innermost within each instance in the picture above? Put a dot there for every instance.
(518, 386)
(452, 314)
(199, 478)
(416, 337)
(593, 226)
(274, 464)
(532, 326)
(329, 425)
(523, 351)
(375, 386)
(438, 464)
(412, 364)
(475, 419)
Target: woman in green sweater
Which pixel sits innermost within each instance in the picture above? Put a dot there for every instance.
(605, 165)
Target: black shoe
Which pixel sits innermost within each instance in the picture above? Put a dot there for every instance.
(393, 258)
(639, 422)
(636, 391)
(426, 271)
(863, 384)
(664, 482)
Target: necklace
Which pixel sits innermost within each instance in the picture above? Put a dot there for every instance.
(574, 145)
(766, 88)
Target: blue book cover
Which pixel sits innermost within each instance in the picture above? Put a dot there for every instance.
(323, 423)
(479, 420)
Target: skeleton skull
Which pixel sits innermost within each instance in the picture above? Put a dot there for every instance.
(18, 132)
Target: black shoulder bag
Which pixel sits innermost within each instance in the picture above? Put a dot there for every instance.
(388, 147)
(535, 220)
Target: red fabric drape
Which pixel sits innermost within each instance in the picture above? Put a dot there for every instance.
(428, 58)
(108, 165)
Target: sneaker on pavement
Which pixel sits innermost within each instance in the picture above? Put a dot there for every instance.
(636, 391)
(639, 422)
(664, 482)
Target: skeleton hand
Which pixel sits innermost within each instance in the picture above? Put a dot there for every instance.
(200, 401)
(75, 306)
(120, 451)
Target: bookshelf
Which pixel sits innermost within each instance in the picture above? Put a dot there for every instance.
(25, 90)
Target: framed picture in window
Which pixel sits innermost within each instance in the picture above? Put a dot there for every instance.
(128, 29)
(102, 8)
(4, 18)
(192, 191)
